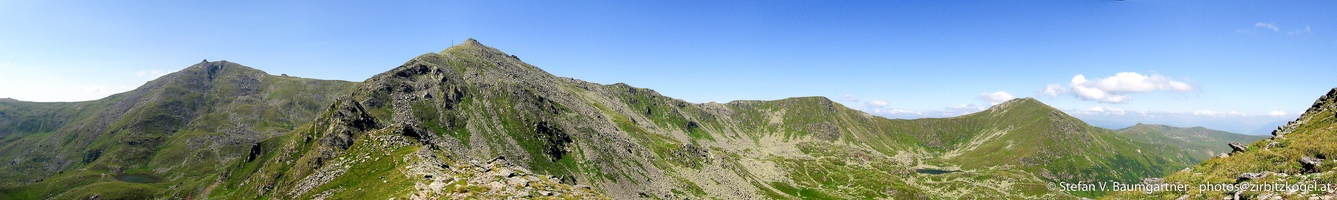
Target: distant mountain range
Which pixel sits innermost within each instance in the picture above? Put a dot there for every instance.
(1248, 125)
(1296, 163)
(1201, 143)
(474, 122)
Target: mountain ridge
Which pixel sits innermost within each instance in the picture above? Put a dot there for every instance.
(1201, 143)
(471, 121)
(615, 112)
(207, 113)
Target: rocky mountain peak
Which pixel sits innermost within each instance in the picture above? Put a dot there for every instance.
(472, 42)
(1020, 102)
(472, 46)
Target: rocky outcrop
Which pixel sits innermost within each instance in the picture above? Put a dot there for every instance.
(346, 118)
(1153, 180)
(824, 131)
(254, 152)
(554, 139)
(1311, 164)
(498, 179)
(1236, 147)
(691, 155)
(1250, 176)
(1324, 103)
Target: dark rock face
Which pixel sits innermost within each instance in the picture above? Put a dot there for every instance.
(255, 152)
(1311, 164)
(345, 120)
(554, 139)
(92, 156)
(691, 126)
(1236, 147)
(350, 118)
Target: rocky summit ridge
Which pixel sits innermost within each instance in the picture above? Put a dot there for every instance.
(474, 122)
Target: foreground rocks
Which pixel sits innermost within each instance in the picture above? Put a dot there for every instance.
(1236, 147)
(1250, 176)
(498, 179)
(1311, 164)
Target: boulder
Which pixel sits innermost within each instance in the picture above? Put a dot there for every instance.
(1250, 176)
(1152, 180)
(1236, 147)
(1311, 164)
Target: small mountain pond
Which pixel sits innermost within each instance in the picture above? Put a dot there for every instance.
(934, 171)
(138, 178)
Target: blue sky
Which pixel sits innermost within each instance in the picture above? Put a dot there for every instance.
(1236, 65)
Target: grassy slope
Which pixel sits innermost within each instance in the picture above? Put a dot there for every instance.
(1312, 136)
(183, 127)
(1200, 143)
(1046, 142)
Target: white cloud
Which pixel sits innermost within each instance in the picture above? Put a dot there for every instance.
(851, 98)
(1268, 26)
(877, 103)
(1276, 113)
(958, 110)
(1104, 110)
(966, 107)
(1306, 30)
(881, 107)
(1096, 109)
(1115, 89)
(1212, 113)
(995, 97)
(894, 111)
(1256, 123)
(948, 111)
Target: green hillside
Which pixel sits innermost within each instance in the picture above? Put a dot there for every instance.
(180, 129)
(1201, 143)
(474, 122)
